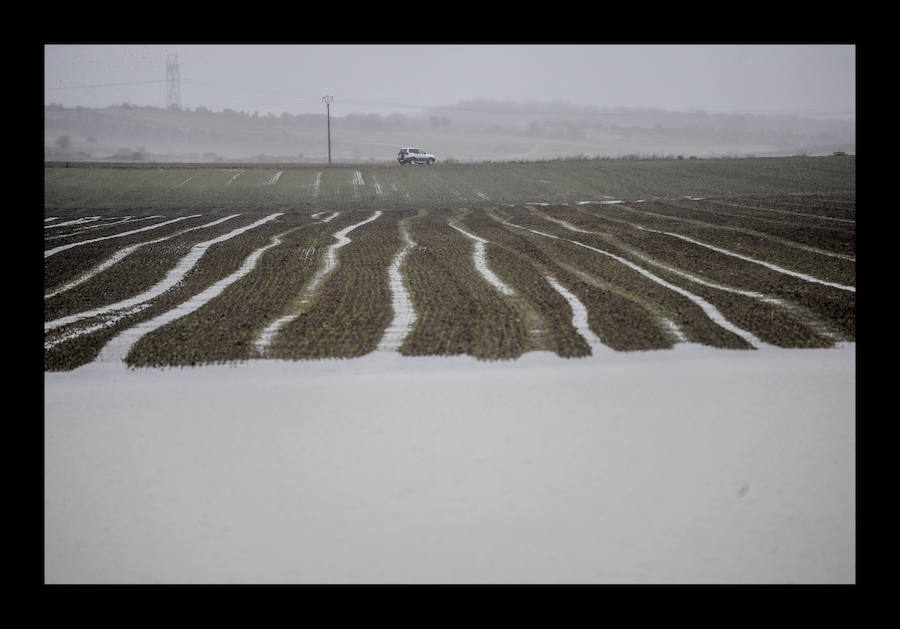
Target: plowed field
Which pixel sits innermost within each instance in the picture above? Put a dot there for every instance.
(215, 265)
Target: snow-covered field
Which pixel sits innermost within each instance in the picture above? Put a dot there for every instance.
(693, 465)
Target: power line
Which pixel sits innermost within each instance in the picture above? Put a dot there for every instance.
(516, 108)
(241, 88)
(84, 87)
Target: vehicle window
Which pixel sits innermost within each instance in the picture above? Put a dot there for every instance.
(415, 150)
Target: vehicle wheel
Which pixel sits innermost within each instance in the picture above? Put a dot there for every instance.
(431, 162)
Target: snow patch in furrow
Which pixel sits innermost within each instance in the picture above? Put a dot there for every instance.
(792, 213)
(710, 310)
(782, 241)
(672, 327)
(264, 340)
(185, 181)
(105, 323)
(125, 219)
(481, 262)
(357, 182)
(568, 226)
(317, 183)
(117, 349)
(274, 178)
(768, 265)
(235, 176)
(668, 324)
(579, 317)
(77, 221)
(122, 253)
(404, 312)
(116, 257)
(746, 293)
(174, 276)
(56, 250)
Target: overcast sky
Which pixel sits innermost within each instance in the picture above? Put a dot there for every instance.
(802, 79)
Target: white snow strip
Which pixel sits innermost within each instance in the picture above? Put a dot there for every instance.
(568, 226)
(104, 323)
(358, 179)
(317, 183)
(690, 276)
(579, 316)
(117, 349)
(174, 276)
(710, 310)
(122, 253)
(481, 262)
(264, 339)
(789, 243)
(404, 312)
(792, 213)
(51, 218)
(235, 176)
(768, 265)
(675, 330)
(56, 250)
(378, 189)
(274, 178)
(824, 218)
(186, 180)
(121, 219)
(481, 195)
(125, 219)
(116, 257)
(77, 221)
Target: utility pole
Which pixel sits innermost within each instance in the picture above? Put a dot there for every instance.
(328, 100)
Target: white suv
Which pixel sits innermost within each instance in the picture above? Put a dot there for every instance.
(415, 156)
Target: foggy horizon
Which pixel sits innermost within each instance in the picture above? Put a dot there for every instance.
(792, 79)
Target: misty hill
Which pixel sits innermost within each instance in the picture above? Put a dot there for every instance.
(477, 130)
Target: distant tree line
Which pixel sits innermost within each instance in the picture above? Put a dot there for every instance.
(202, 129)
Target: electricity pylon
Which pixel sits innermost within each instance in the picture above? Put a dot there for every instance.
(173, 82)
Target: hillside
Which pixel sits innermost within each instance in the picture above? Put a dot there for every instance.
(469, 131)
